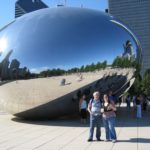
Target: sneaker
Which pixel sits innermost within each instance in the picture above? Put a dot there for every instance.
(99, 140)
(114, 141)
(90, 140)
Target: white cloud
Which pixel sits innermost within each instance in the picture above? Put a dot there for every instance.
(38, 70)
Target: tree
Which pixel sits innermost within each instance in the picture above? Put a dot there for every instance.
(104, 64)
(82, 68)
(137, 87)
(123, 62)
(92, 67)
(146, 83)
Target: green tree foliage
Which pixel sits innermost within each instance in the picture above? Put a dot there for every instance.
(141, 85)
(53, 72)
(87, 68)
(146, 83)
(137, 86)
(123, 62)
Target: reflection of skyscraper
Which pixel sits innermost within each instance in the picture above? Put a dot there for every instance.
(11, 71)
(128, 48)
(25, 6)
(128, 51)
(14, 65)
(4, 71)
(136, 14)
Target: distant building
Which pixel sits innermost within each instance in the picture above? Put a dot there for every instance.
(128, 51)
(4, 70)
(25, 6)
(135, 14)
(14, 66)
(12, 70)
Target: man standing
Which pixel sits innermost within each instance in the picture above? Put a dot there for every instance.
(94, 108)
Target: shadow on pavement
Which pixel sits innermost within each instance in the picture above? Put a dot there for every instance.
(125, 118)
(135, 140)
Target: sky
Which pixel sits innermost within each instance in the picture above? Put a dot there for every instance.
(113, 49)
(7, 7)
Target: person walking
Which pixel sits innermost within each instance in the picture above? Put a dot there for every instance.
(94, 108)
(109, 118)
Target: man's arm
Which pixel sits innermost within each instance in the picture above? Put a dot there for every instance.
(89, 107)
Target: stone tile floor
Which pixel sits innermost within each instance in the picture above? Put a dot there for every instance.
(69, 134)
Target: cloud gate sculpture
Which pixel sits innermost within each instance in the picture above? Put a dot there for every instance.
(49, 57)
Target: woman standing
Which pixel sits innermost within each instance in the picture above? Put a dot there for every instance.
(109, 117)
(83, 109)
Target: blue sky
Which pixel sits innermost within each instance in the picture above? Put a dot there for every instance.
(115, 36)
(7, 7)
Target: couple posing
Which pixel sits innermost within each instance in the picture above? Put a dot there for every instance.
(105, 108)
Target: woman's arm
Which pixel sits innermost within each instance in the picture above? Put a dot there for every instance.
(113, 107)
(80, 102)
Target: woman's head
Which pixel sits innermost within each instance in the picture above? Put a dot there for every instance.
(105, 98)
(84, 96)
(139, 96)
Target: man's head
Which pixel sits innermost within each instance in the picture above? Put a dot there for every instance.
(96, 95)
(110, 93)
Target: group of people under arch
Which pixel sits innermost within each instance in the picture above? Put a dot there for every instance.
(103, 107)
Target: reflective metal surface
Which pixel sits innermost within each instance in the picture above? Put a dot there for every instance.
(58, 41)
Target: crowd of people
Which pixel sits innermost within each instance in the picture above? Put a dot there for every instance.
(140, 102)
(103, 107)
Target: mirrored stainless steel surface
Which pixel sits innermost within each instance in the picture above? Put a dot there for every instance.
(41, 48)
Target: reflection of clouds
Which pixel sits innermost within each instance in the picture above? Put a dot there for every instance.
(129, 31)
(64, 67)
(3, 44)
(38, 70)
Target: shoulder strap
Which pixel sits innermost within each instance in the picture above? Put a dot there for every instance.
(92, 101)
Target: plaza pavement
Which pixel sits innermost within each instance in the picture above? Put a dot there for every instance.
(69, 134)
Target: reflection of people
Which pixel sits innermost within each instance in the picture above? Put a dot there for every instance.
(145, 102)
(83, 109)
(63, 82)
(128, 101)
(134, 101)
(109, 118)
(80, 78)
(138, 106)
(94, 107)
